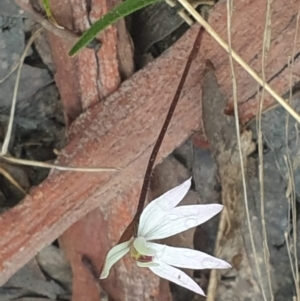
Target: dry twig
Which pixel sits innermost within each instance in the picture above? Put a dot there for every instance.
(65, 34)
(5, 145)
(237, 58)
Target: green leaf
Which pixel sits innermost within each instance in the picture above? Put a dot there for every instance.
(122, 10)
(46, 4)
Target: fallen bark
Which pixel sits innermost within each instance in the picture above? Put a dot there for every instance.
(95, 75)
(121, 132)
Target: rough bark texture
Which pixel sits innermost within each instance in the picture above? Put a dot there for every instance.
(121, 132)
(248, 23)
(97, 74)
(91, 75)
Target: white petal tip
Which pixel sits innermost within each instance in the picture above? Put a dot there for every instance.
(226, 265)
(189, 181)
(103, 275)
(210, 262)
(220, 206)
(222, 265)
(200, 292)
(215, 208)
(177, 276)
(114, 255)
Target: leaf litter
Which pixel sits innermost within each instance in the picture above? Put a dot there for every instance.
(280, 184)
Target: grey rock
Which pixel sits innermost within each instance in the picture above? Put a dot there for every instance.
(30, 279)
(275, 125)
(52, 260)
(10, 293)
(11, 9)
(205, 176)
(32, 79)
(11, 44)
(185, 154)
(275, 201)
(208, 187)
(162, 20)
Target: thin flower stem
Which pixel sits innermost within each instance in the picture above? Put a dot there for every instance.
(131, 227)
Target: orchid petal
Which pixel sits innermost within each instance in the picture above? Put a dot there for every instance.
(141, 245)
(174, 275)
(182, 218)
(158, 209)
(114, 255)
(187, 258)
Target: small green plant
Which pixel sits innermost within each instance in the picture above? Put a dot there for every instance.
(120, 11)
(49, 15)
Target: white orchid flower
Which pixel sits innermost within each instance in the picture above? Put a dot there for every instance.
(161, 219)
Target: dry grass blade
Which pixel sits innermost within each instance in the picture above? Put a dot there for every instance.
(291, 190)
(12, 69)
(65, 34)
(47, 8)
(238, 59)
(58, 167)
(14, 100)
(214, 276)
(291, 242)
(10, 126)
(237, 126)
(265, 50)
(182, 14)
(11, 179)
(287, 241)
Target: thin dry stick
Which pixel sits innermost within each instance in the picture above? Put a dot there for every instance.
(182, 14)
(55, 166)
(12, 69)
(290, 257)
(265, 50)
(214, 274)
(65, 34)
(238, 59)
(10, 126)
(14, 100)
(6, 174)
(292, 194)
(292, 205)
(237, 126)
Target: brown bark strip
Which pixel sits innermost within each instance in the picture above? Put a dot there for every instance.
(247, 39)
(84, 78)
(97, 75)
(122, 132)
(63, 33)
